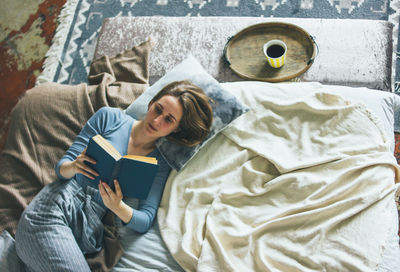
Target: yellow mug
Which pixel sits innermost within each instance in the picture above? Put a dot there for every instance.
(275, 52)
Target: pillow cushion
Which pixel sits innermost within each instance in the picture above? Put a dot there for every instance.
(226, 108)
(384, 105)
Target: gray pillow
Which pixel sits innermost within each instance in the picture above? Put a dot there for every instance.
(226, 108)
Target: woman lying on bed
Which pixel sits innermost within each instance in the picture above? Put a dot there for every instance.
(63, 222)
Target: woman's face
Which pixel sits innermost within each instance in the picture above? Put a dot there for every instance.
(163, 116)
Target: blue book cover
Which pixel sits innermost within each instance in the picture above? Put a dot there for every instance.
(135, 174)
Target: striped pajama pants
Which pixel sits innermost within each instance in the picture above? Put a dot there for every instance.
(60, 225)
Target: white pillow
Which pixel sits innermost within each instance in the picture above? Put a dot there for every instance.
(384, 105)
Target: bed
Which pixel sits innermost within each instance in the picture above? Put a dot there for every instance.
(295, 176)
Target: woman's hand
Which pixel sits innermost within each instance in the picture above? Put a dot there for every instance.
(113, 200)
(69, 169)
(81, 167)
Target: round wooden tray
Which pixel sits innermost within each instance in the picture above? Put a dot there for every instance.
(244, 51)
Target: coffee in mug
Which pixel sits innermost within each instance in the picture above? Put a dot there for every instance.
(275, 52)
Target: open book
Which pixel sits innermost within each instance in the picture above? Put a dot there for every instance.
(135, 174)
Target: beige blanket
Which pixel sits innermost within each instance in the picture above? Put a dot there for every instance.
(299, 183)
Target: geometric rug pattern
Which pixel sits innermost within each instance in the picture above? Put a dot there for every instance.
(69, 58)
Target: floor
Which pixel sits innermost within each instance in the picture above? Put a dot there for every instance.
(26, 31)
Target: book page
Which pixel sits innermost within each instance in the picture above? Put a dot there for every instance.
(151, 160)
(107, 146)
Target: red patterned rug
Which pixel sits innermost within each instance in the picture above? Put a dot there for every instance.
(27, 29)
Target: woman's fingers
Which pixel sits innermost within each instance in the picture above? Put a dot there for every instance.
(118, 191)
(102, 190)
(83, 168)
(114, 195)
(89, 175)
(107, 189)
(88, 159)
(111, 199)
(88, 169)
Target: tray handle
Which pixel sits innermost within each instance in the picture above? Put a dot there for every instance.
(225, 49)
(311, 60)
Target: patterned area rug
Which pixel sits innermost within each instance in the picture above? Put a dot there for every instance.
(74, 44)
(26, 33)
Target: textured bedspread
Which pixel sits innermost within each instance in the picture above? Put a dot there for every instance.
(299, 183)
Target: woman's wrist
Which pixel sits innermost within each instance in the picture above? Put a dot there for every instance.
(67, 169)
(124, 212)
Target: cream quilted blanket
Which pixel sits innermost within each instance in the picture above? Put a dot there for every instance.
(302, 182)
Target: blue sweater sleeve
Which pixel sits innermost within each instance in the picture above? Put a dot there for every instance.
(100, 123)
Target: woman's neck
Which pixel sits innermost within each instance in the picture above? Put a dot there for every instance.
(138, 143)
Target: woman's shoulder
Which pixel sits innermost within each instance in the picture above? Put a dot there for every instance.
(106, 110)
(109, 119)
(110, 113)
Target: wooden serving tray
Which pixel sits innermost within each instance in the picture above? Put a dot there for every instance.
(244, 51)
